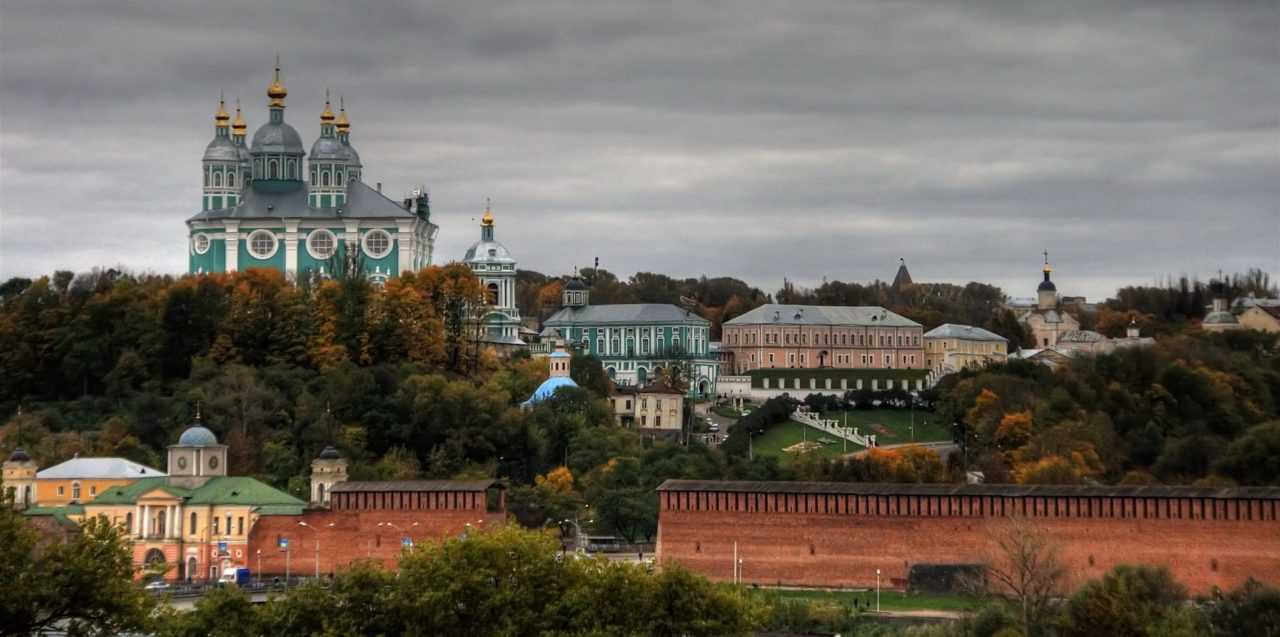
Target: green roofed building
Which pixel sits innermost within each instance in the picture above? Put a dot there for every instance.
(636, 342)
(263, 208)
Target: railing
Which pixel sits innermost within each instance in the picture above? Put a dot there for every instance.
(833, 427)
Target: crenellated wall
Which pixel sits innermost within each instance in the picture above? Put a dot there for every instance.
(835, 534)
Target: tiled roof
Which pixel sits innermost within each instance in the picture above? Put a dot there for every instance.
(864, 315)
(624, 314)
(963, 332)
(414, 485)
(99, 468)
(1005, 490)
(362, 202)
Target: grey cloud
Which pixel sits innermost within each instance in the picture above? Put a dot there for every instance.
(760, 140)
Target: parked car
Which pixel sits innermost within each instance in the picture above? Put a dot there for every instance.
(156, 586)
(714, 427)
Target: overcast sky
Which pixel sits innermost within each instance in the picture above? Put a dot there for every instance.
(758, 140)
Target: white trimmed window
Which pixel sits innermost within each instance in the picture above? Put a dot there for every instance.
(321, 244)
(262, 244)
(377, 243)
(200, 243)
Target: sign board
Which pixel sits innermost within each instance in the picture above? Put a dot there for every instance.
(284, 544)
(222, 548)
(406, 542)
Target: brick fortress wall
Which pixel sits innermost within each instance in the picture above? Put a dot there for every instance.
(832, 540)
(364, 526)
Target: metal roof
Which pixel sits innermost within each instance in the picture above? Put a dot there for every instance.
(863, 315)
(963, 332)
(1000, 490)
(362, 202)
(105, 468)
(488, 252)
(1081, 336)
(414, 485)
(274, 137)
(625, 314)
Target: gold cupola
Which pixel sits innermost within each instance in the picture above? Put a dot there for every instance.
(327, 115)
(276, 91)
(342, 123)
(238, 126)
(220, 118)
(487, 219)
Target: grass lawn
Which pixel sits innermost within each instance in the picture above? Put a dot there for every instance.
(727, 412)
(783, 435)
(889, 600)
(898, 422)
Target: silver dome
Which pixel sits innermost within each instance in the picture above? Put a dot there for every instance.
(222, 149)
(488, 252)
(353, 157)
(328, 149)
(277, 138)
(197, 436)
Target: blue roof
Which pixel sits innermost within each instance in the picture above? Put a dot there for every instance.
(548, 388)
(198, 436)
(560, 354)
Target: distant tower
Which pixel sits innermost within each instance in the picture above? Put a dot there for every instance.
(197, 457)
(277, 149)
(221, 165)
(328, 469)
(902, 278)
(1047, 291)
(1131, 331)
(238, 131)
(575, 292)
(1220, 319)
(343, 126)
(560, 364)
(20, 478)
(496, 269)
(328, 164)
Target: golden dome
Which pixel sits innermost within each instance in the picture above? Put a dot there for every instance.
(221, 116)
(327, 115)
(276, 91)
(343, 123)
(487, 219)
(238, 125)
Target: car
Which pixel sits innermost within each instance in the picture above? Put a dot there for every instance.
(156, 586)
(714, 428)
(746, 412)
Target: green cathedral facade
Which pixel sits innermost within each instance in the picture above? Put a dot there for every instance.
(268, 204)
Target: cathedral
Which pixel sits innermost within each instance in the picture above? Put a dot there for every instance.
(496, 269)
(264, 207)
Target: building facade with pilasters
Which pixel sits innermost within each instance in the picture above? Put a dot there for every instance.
(271, 205)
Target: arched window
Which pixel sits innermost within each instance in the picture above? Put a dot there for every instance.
(320, 492)
(273, 169)
(75, 491)
(324, 178)
(491, 295)
(217, 180)
(338, 180)
(231, 179)
(193, 523)
(293, 169)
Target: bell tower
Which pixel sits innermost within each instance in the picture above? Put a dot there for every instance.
(328, 469)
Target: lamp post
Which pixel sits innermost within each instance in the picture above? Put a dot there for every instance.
(393, 526)
(877, 590)
(259, 567)
(317, 537)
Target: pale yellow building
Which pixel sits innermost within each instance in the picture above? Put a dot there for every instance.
(950, 348)
(20, 479)
(81, 480)
(1264, 318)
(1047, 321)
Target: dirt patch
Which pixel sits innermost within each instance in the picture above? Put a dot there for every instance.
(802, 447)
(882, 430)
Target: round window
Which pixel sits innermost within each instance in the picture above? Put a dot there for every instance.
(377, 244)
(182, 462)
(262, 244)
(321, 244)
(213, 462)
(201, 243)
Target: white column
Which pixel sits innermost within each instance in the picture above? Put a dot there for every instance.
(232, 229)
(291, 248)
(137, 527)
(405, 237)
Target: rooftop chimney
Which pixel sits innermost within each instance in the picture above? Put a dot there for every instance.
(379, 187)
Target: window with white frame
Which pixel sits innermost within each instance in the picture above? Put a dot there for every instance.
(321, 244)
(377, 243)
(200, 243)
(262, 244)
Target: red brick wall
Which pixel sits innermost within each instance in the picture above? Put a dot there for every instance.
(355, 535)
(844, 548)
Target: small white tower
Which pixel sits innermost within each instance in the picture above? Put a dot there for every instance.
(328, 469)
(1047, 292)
(20, 478)
(197, 457)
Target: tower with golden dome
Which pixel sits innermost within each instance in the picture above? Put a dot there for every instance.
(271, 204)
(496, 269)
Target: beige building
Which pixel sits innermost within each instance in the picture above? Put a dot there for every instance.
(776, 336)
(949, 348)
(20, 479)
(655, 410)
(1047, 321)
(1265, 318)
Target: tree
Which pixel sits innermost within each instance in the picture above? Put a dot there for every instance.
(1132, 600)
(82, 584)
(1026, 566)
(1252, 609)
(1254, 459)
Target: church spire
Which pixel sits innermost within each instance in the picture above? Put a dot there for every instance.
(220, 117)
(238, 127)
(277, 91)
(486, 222)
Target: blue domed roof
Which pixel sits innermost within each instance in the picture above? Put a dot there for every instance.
(197, 436)
(548, 388)
(1047, 286)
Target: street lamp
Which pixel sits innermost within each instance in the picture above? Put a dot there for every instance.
(259, 567)
(393, 526)
(877, 590)
(317, 532)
